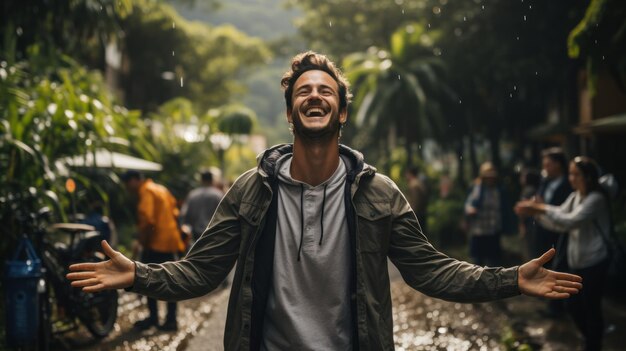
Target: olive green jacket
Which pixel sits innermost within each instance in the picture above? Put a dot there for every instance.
(382, 225)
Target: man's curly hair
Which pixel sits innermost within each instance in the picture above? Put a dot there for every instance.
(308, 61)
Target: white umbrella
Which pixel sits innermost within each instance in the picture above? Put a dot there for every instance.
(109, 159)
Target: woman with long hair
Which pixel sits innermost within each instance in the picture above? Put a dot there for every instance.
(584, 217)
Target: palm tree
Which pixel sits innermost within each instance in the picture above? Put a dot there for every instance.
(399, 93)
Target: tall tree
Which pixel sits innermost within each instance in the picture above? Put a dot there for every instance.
(168, 56)
(399, 92)
(507, 60)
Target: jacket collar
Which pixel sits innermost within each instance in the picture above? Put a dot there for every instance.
(355, 164)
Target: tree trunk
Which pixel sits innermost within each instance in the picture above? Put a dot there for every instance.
(494, 142)
(460, 177)
(472, 149)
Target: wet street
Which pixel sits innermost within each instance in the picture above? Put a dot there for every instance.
(420, 323)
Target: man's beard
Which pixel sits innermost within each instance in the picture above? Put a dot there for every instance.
(328, 131)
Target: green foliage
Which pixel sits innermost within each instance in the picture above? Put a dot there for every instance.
(342, 27)
(506, 61)
(45, 116)
(181, 144)
(444, 220)
(265, 19)
(236, 119)
(600, 38)
(511, 341)
(170, 56)
(239, 158)
(399, 91)
(80, 27)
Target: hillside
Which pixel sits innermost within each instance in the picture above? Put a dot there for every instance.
(267, 19)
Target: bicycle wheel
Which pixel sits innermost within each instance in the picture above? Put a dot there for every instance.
(99, 312)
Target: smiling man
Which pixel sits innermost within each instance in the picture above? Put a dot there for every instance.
(310, 230)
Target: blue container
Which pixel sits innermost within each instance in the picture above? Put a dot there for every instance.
(21, 278)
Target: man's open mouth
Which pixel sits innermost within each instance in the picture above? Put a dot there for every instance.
(315, 112)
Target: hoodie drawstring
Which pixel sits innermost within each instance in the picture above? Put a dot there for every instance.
(322, 219)
(302, 218)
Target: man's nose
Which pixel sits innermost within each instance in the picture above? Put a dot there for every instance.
(314, 95)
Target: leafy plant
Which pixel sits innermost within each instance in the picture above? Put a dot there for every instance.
(46, 116)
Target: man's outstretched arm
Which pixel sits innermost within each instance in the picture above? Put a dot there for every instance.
(535, 280)
(116, 273)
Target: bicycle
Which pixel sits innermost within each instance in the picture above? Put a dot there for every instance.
(62, 307)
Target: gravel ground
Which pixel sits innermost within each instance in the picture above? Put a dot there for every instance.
(420, 323)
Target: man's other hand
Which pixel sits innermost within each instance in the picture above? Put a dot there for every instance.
(116, 273)
(534, 280)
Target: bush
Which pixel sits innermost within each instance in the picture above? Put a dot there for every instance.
(444, 221)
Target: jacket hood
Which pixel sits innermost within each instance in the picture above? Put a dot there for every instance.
(353, 160)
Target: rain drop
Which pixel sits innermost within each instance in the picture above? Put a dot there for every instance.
(429, 25)
(173, 25)
(530, 7)
(464, 18)
(420, 146)
(172, 52)
(524, 17)
(482, 7)
(596, 41)
(403, 11)
(461, 157)
(511, 95)
(101, 7)
(181, 82)
(460, 102)
(518, 38)
(602, 57)
(330, 23)
(515, 87)
(536, 73)
(398, 77)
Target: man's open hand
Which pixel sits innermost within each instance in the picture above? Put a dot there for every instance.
(534, 280)
(116, 273)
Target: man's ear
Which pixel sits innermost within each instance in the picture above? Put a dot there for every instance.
(343, 115)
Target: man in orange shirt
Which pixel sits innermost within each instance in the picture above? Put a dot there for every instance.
(158, 234)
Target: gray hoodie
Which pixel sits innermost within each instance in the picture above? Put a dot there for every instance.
(308, 305)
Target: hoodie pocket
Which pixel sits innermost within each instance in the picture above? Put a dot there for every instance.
(373, 226)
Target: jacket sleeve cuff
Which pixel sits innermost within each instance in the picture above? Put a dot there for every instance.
(510, 286)
(142, 277)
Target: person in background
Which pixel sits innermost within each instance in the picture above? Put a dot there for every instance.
(200, 204)
(584, 218)
(158, 236)
(486, 211)
(553, 190)
(417, 195)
